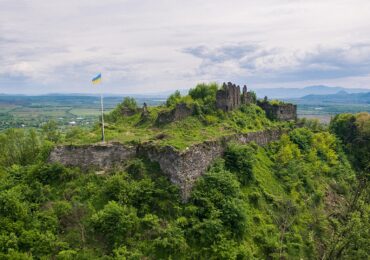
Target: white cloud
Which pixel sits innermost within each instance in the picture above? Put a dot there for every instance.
(139, 45)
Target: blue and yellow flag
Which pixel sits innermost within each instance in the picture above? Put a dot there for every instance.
(97, 79)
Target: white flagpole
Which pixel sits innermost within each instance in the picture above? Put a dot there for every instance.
(102, 117)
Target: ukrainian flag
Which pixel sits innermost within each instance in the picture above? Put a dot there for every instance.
(97, 79)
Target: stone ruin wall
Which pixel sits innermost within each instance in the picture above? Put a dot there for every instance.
(181, 111)
(182, 167)
(283, 112)
(286, 112)
(229, 97)
(92, 156)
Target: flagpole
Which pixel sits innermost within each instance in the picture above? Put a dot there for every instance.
(102, 117)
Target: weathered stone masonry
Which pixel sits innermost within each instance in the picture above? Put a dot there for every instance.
(229, 98)
(99, 156)
(182, 167)
(283, 112)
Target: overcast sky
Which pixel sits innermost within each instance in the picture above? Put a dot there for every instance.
(49, 46)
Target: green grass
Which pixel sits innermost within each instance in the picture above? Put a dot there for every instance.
(179, 134)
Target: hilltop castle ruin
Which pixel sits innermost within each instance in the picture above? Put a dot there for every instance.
(229, 98)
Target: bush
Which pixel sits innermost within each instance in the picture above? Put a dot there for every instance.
(51, 131)
(217, 197)
(173, 99)
(205, 94)
(116, 223)
(302, 137)
(130, 103)
(136, 169)
(50, 173)
(19, 146)
(239, 159)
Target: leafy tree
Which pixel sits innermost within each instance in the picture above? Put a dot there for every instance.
(219, 210)
(18, 146)
(130, 103)
(354, 131)
(240, 159)
(205, 95)
(204, 92)
(173, 99)
(115, 222)
(302, 137)
(51, 132)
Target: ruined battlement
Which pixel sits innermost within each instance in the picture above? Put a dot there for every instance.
(229, 97)
(182, 167)
(281, 111)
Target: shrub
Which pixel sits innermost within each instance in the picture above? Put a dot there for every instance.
(205, 94)
(136, 169)
(239, 159)
(51, 132)
(50, 173)
(19, 146)
(130, 103)
(254, 198)
(116, 223)
(173, 99)
(302, 137)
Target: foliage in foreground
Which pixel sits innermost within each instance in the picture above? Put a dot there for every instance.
(297, 198)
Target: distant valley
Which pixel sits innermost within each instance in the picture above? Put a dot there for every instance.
(320, 102)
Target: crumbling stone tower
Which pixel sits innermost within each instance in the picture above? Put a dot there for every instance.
(228, 97)
(246, 97)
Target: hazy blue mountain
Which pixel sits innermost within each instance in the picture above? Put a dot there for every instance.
(271, 93)
(339, 97)
(287, 93)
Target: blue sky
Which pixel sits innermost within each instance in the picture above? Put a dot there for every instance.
(143, 46)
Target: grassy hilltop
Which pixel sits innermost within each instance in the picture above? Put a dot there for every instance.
(305, 196)
(205, 123)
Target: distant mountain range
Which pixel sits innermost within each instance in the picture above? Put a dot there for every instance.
(271, 93)
(288, 93)
(339, 97)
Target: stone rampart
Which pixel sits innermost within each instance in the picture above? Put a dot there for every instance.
(181, 167)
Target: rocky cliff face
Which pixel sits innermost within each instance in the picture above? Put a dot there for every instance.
(182, 167)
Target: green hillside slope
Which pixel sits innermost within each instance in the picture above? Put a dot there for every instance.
(285, 200)
(305, 196)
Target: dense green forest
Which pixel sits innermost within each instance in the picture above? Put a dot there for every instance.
(305, 196)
